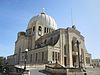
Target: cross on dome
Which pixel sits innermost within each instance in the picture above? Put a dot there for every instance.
(43, 11)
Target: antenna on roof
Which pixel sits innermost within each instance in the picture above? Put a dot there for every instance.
(73, 25)
(72, 17)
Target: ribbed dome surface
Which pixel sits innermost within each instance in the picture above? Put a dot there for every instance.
(44, 20)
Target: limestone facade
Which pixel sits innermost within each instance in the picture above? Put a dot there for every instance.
(47, 44)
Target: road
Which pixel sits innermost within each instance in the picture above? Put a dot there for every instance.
(38, 72)
(93, 71)
(90, 71)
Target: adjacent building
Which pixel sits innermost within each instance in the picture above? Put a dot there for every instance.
(96, 62)
(2, 60)
(47, 44)
(11, 60)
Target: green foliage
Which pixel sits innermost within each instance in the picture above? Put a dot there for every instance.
(1, 60)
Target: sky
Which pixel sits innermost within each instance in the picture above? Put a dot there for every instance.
(15, 15)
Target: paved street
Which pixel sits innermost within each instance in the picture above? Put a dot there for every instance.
(37, 72)
(93, 71)
(90, 71)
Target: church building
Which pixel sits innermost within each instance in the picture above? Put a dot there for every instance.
(46, 44)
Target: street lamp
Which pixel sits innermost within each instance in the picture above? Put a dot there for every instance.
(26, 50)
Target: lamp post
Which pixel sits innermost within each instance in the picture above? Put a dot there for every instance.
(26, 50)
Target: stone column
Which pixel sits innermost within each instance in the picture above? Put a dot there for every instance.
(70, 56)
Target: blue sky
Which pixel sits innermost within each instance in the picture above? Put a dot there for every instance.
(15, 15)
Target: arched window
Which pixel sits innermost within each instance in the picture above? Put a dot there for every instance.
(56, 56)
(65, 52)
(40, 28)
(33, 28)
(53, 58)
(44, 29)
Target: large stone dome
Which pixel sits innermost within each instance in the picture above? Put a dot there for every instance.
(44, 20)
